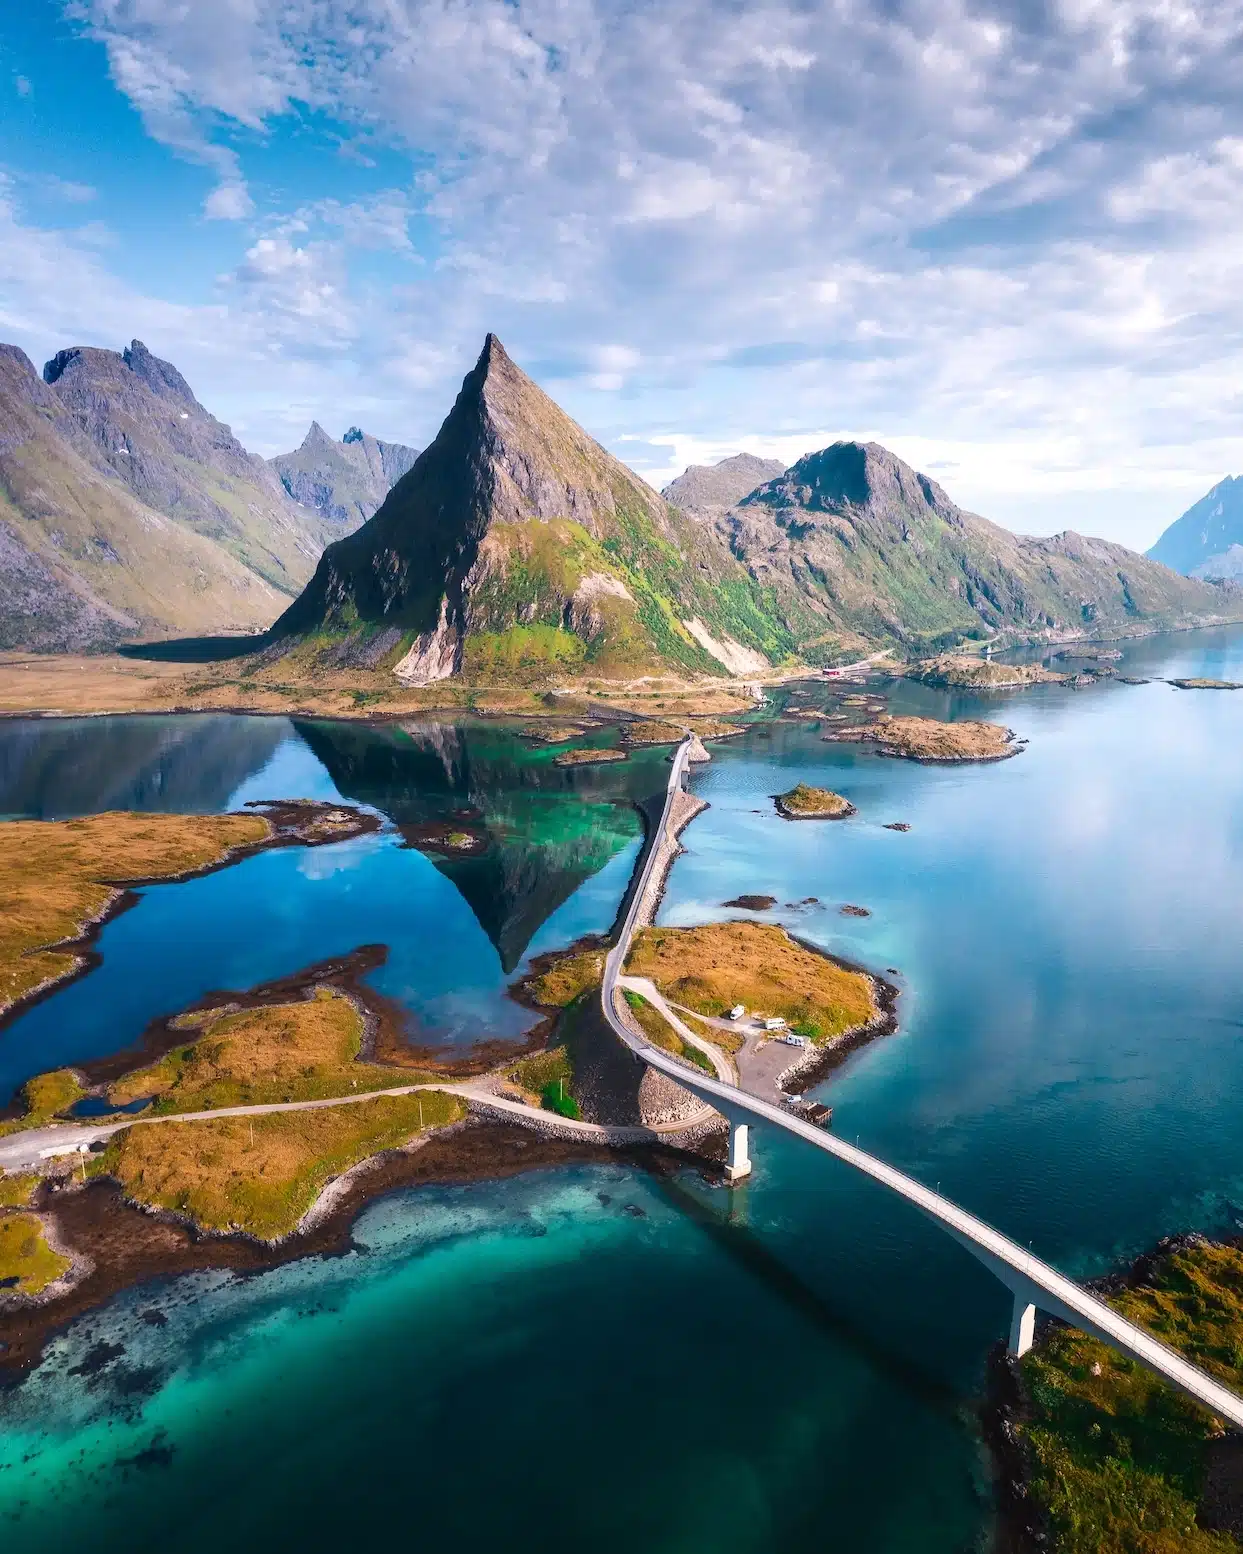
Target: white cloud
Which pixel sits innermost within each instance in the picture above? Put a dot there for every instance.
(228, 202)
(1011, 235)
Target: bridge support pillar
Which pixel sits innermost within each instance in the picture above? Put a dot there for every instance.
(739, 1160)
(1022, 1326)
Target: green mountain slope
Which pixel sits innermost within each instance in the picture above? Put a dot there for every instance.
(516, 547)
(83, 563)
(343, 482)
(1207, 541)
(881, 554)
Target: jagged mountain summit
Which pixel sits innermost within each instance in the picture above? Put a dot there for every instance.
(1207, 541)
(344, 482)
(517, 547)
(883, 555)
(85, 563)
(145, 425)
(706, 490)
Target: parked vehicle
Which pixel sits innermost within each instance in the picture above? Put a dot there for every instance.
(775, 1023)
(737, 1012)
(794, 1041)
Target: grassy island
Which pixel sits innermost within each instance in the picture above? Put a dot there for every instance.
(658, 731)
(928, 739)
(60, 878)
(553, 733)
(306, 1050)
(956, 671)
(804, 803)
(1121, 1463)
(57, 877)
(710, 969)
(261, 1174)
(1207, 685)
(599, 757)
(44, 1097)
(27, 1263)
(565, 977)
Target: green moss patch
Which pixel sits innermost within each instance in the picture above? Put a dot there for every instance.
(1120, 1458)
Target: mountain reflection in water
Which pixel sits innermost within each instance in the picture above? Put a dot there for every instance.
(553, 848)
(546, 828)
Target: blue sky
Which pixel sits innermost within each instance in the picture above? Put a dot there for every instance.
(1003, 239)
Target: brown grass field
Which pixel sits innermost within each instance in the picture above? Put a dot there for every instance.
(66, 684)
(306, 1050)
(57, 876)
(261, 1174)
(757, 964)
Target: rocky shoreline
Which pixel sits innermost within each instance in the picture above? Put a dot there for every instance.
(126, 1246)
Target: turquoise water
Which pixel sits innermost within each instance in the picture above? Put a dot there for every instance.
(789, 1367)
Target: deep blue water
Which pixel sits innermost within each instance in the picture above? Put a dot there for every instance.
(561, 846)
(788, 1367)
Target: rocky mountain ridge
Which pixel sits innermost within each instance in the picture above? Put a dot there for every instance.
(882, 554)
(84, 562)
(1207, 541)
(145, 425)
(344, 482)
(707, 490)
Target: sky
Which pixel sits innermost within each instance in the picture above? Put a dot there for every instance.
(1005, 240)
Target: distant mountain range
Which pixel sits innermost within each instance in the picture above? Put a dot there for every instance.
(1207, 541)
(127, 510)
(514, 547)
(344, 482)
(518, 548)
(707, 490)
(885, 555)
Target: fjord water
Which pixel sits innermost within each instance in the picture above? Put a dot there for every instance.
(559, 849)
(592, 1358)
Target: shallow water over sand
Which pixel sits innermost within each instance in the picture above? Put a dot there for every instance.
(587, 1358)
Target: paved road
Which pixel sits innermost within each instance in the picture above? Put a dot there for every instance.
(1032, 1281)
(27, 1150)
(720, 1061)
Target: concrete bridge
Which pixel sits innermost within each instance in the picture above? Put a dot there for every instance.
(1033, 1283)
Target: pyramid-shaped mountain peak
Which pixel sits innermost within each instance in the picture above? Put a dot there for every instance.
(517, 535)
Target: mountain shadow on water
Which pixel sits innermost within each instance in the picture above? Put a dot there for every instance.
(544, 829)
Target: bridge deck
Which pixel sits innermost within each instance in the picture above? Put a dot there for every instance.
(1032, 1280)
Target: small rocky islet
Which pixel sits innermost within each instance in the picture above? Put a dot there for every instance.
(802, 802)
